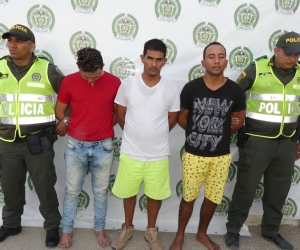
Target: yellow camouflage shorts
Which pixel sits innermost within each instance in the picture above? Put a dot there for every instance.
(211, 170)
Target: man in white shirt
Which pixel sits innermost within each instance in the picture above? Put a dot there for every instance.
(147, 109)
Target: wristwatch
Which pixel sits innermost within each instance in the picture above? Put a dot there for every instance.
(67, 122)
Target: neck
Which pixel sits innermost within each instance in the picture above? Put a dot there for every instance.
(150, 81)
(214, 82)
(22, 62)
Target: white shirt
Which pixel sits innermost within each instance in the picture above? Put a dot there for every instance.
(146, 129)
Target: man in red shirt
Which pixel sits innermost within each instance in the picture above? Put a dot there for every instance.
(90, 92)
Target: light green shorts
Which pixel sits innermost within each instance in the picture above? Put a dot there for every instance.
(131, 173)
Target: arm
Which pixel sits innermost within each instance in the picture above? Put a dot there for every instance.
(121, 112)
(61, 127)
(183, 117)
(115, 114)
(240, 116)
(172, 117)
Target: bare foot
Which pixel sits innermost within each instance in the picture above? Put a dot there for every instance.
(177, 243)
(103, 239)
(205, 240)
(66, 240)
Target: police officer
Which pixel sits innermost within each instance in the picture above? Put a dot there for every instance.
(27, 124)
(272, 88)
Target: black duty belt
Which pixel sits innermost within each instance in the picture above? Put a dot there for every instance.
(41, 134)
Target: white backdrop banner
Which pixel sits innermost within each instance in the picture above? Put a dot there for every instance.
(119, 29)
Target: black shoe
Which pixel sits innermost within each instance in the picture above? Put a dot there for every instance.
(52, 238)
(279, 241)
(232, 240)
(5, 232)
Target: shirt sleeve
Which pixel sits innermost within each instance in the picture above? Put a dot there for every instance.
(240, 100)
(175, 100)
(64, 94)
(121, 94)
(55, 76)
(184, 98)
(247, 77)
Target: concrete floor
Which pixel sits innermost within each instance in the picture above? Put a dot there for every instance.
(32, 238)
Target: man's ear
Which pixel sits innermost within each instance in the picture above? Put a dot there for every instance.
(142, 58)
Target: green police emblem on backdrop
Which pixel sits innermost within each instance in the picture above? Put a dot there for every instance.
(3, 42)
(3, 2)
(167, 10)
(171, 51)
(122, 68)
(274, 38)
(1, 198)
(240, 57)
(125, 27)
(44, 53)
(205, 33)
(84, 6)
(259, 192)
(222, 209)
(210, 2)
(196, 72)
(289, 209)
(80, 40)
(30, 184)
(83, 201)
(40, 18)
(286, 6)
(296, 175)
(179, 189)
(117, 146)
(143, 203)
(231, 172)
(112, 179)
(246, 16)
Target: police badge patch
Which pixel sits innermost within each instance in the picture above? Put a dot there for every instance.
(36, 77)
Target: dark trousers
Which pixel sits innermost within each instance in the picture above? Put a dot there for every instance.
(16, 160)
(273, 159)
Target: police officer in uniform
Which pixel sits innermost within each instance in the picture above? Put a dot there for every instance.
(272, 87)
(27, 125)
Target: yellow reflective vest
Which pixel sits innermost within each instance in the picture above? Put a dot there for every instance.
(272, 107)
(27, 102)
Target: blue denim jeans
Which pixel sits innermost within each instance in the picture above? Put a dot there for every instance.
(80, 156)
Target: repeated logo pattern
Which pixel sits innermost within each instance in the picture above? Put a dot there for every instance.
(80, 40)
(125, 27)
(40, 18)
(205, 33)
(84, 6)
(3, 42)
(246, 16)
(240, 57)
(288, 7)
(122, 68)
(167, 10)
(196, 72)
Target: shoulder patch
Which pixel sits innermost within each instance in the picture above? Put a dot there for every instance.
(241, 76)
(261, 57)
(6, 58)
(59, 71)
(42, 57)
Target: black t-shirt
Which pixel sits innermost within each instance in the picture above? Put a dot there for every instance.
(208, 129)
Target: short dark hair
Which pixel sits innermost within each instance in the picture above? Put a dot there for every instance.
(210, 44)
(89, 60)
(156, 45)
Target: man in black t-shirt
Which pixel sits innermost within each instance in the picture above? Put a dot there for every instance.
(207, 105)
